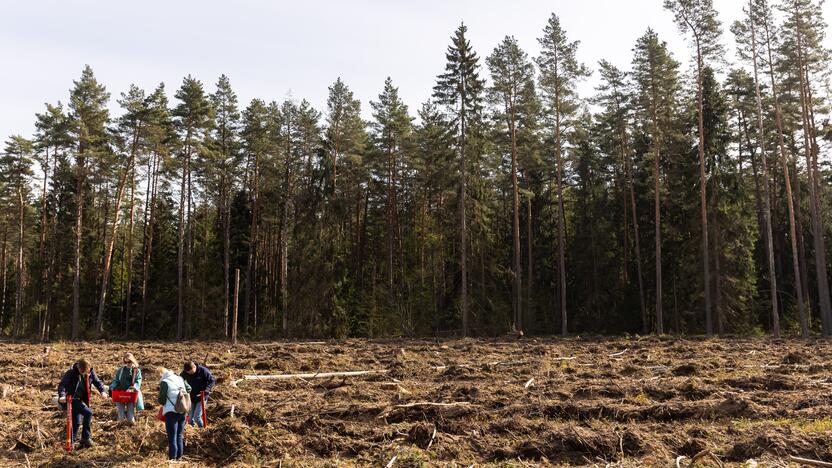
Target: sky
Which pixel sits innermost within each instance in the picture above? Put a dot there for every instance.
(278, 49)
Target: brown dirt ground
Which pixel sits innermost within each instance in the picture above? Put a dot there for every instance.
(611, 402)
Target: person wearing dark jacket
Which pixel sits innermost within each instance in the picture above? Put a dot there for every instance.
(200, 380)
(77, 382)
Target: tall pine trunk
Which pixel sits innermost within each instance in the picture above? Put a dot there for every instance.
(817, 223)
(767, 234)
(129, 293)
(76, 273)
(180, 254)
(149, 211)
(110, 241)
(517, 286)
(463, 228)
(4, 273)
(709, 328)
(561, 217)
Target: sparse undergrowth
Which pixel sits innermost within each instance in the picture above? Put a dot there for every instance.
(630, 402)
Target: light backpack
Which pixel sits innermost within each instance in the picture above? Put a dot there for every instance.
(183, 401)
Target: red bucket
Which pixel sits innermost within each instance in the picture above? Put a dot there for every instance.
(121, 396)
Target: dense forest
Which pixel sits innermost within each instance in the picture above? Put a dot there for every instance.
(674, 199)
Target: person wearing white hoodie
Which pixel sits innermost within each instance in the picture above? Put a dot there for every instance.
(169, 386)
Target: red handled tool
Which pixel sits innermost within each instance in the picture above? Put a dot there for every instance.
(204, 417)
(69, 423)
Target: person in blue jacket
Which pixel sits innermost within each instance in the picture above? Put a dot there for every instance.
(200, 380)
(77, 382)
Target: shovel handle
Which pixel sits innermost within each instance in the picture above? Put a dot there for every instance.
(69, 423)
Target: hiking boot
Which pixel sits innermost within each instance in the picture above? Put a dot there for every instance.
(86, 443)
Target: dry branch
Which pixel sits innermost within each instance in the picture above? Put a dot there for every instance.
(809, 461)
(529, 383)
(619, 353)
(430, 403)
(432, 436)
(708, 454)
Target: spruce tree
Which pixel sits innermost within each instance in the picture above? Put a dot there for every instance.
(391, 133)
(460, 91)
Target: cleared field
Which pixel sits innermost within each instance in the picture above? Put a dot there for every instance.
(527, 402)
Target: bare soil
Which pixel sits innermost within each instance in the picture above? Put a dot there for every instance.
(617, 402)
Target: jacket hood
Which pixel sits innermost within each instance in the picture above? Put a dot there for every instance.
(168, 373)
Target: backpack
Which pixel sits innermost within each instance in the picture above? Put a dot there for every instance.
(183, 402)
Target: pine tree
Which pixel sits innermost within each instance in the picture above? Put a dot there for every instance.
(699, 18)
(221, 172)
(762, 15)
(804, 31)
(132, 125)
(256, 147)
(160, 134)
(52, 144)
(746, 35)
(88, 119)
(513, 95)
(655, 74)
(15, 174)
(192, 118)
(614, 97)
(560, 72)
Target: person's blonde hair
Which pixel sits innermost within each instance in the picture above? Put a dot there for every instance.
(131, 358)
(161, 370)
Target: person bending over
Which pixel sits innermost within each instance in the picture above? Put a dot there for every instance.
(200, 380)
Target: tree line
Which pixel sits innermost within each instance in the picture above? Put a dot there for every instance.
(669, 200)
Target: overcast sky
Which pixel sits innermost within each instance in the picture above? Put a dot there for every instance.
(271, 49)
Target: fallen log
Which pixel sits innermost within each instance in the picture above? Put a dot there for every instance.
(319, 375)
(430, 403)
(809, 461)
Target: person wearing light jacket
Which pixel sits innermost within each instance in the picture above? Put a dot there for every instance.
(77, 383)
(169, 387)
(128, 378)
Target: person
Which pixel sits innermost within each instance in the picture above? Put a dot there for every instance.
(169, 387)
(76, 383)
(201, 380)
(128, 378)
